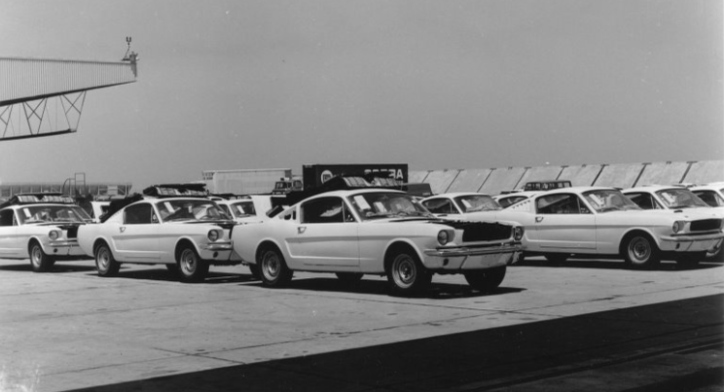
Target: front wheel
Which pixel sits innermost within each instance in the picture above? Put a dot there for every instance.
(273, 269)
(191, 267)
(406, 275)
(39, 260)
(486, 280)
(641, 252)
(105, 263)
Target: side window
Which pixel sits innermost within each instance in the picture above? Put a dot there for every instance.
(138, 214)
(644, 200)
(324, 210)
(226, 209)
(6, 217)
(439, 206)
(560, 204)
(290, 215)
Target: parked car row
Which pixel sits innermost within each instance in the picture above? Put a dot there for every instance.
(364, 229)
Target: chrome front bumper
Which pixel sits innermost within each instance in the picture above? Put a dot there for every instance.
(472, 258)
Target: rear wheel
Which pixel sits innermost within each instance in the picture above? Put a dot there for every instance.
(349, 277)
(40, 261)
(105, 263)
(273, 270)
(641, 252)
(191, 267)
(406, 275)
(486, 280)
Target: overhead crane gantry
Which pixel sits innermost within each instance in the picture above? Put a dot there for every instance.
(44, 97)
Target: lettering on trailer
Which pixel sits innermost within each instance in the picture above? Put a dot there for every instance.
(393, 173)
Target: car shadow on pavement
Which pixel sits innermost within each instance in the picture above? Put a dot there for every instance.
(381, 287)
(666, 265)
(57, 268)
(162, 274)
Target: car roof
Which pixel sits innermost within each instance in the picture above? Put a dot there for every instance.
(456, 194)
(348, 192)
(712, 186)
(652, 188)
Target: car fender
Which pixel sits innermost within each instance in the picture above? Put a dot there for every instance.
(39, 239)
(628, 231)
(172, 253)
(251, 258)
(396, 241)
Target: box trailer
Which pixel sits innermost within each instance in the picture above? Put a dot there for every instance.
(244, 181)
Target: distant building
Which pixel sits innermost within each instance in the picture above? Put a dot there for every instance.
(97, 190)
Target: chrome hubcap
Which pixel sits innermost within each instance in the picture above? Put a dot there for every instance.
(404, 271)
(640, 250)
(103, 259)
(271, 266)
(188, 261)
(36, 255)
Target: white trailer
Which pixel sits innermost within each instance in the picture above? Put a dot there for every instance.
(243, 181)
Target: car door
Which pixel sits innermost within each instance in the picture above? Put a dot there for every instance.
(325, 236)
(563, 223)
(10, 239)
(136, 239)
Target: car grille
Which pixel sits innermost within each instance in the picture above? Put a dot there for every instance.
(705, 224)
(485, 232)
(73, 232)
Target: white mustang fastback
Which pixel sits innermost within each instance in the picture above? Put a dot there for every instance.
(42, 230)
(603, 222)
(186, 234)
(662, 197)
(376, 231)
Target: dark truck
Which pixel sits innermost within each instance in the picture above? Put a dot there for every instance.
(315, 176)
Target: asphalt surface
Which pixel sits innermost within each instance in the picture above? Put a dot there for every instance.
(583, 325)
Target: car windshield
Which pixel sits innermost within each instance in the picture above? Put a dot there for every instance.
(190, 209)
(380, 205)
(680, 198)
(473, 203)
(711, 198)
(243, 208)
(605, 200)
(49, 213)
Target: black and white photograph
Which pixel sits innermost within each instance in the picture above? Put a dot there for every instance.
(349, 196)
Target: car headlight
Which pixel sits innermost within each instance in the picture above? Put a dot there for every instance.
(443, 237)
(54, 235)
(213, 235)
(518, 233)
(678, 226)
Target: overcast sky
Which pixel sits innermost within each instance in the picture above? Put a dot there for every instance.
(436, 84)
